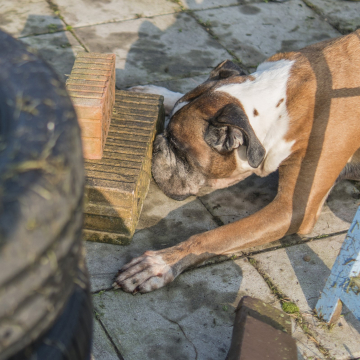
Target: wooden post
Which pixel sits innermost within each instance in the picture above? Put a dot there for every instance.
(91, 86)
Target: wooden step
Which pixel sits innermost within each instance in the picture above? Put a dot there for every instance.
(117, 184)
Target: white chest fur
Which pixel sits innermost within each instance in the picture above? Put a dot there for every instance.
(264, 102)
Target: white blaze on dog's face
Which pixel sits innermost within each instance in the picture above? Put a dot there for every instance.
(224, 130)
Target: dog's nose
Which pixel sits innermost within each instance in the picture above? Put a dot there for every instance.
(159, 143)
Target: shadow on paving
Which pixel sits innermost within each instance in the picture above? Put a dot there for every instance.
(188, 319)
(202, 310)
(41, 24)
(52, 44)
(153, 53)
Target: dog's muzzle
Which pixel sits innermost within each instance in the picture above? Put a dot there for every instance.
(172, 171)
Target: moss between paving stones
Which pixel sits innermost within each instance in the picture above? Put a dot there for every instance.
(290, 307)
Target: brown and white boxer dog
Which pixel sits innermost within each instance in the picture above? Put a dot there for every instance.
(299, 113)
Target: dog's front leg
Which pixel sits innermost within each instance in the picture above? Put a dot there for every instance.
(155, 269)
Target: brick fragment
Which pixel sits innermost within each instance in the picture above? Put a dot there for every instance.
(117, 184)
(261, 332)
(266, 313)
(91, 86)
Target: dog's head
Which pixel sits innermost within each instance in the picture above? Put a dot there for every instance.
(209, 142)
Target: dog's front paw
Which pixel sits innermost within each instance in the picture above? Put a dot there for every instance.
(144, 274)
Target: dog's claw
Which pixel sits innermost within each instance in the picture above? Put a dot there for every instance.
(136, 290)
(116, 286)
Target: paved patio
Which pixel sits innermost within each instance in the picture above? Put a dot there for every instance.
(176, 44)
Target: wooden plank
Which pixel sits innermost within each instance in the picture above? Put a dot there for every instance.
(81, 82)
(92, 55)
(106, 237)
(343, 283)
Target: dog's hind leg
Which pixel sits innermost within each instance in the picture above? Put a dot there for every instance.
(352, 169)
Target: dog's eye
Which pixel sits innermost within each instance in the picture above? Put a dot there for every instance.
(173, 141)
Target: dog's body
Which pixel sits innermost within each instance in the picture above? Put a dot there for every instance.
(299, 113)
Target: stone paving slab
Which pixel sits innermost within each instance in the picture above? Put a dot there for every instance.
(28, 17)
(163, 223)
(87, 12)
(307, 349)
(58, 49)
(343, 15)
(102, 348)
(156, 49)
(301, 272)
(191, 318)
(255, 32)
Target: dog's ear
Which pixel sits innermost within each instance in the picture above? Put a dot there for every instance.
(229, 129)
(224, 70)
